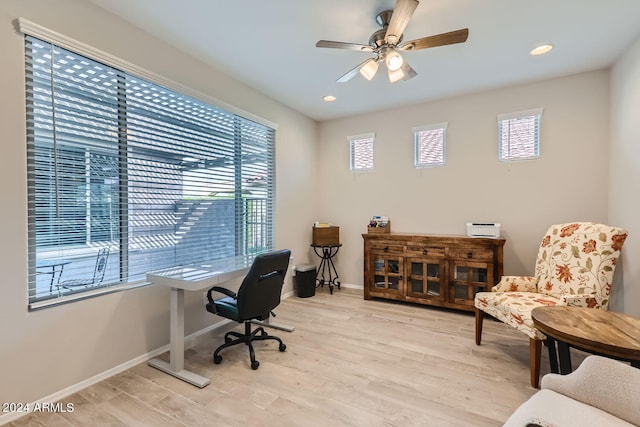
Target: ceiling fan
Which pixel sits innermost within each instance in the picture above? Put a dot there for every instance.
(387, 44)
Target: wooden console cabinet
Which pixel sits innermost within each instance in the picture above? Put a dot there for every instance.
(440, 270)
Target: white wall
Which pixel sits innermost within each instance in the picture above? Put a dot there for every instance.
(624, 188)
(568, 183)
(46, 351)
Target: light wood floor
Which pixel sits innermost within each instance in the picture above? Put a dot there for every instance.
(350, 362)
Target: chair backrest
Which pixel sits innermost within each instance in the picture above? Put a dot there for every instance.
(579, 259)
(261, 288)
(101, 265)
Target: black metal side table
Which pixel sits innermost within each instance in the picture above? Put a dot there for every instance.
(327, 273)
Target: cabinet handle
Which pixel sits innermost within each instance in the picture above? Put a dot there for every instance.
(386, 249)
(424, 252)
(469, 255)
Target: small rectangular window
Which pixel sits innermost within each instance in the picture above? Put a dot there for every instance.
(361, 152)
(429, 142)
(519, 135)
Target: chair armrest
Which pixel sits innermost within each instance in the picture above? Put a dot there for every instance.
(606, 384)
(589, 301)
(516, 284)
(225, 291)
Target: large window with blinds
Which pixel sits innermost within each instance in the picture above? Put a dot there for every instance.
(126, 176)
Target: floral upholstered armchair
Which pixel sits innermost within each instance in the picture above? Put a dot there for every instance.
(574, 267)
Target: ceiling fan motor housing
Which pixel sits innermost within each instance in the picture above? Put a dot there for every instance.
(377, 39)
(384, 17)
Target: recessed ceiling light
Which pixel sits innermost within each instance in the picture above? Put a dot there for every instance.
(329, 98)
(541, 50)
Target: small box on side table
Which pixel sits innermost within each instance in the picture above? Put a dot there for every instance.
(326, 236)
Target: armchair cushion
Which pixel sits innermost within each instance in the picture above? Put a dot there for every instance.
(514, 308)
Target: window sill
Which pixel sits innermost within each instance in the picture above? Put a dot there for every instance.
(53, 302)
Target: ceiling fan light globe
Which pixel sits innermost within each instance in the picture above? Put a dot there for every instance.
(395, 75)
(394, 61)
(369, 70)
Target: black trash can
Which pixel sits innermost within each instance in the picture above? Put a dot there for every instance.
(305, 280)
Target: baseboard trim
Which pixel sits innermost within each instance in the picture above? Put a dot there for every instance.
(288, 294)
(351, 286)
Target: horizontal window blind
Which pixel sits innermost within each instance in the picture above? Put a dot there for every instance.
(519, 135)
(429, 145)
(361, 152)
(126, 176)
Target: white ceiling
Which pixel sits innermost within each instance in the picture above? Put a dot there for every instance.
(270, 45)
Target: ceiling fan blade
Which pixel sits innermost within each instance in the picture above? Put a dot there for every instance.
(343, 45)
(353, 72)
(403, 73)
(402, 13)
(453, 37)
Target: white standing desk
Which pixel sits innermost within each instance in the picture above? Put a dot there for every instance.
(193, 278)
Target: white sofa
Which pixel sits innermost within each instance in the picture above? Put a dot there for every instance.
(601, 392)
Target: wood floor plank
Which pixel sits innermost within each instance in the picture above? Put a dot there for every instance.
(134, 413)
(41, 419)
(349, 362)
(87, 413)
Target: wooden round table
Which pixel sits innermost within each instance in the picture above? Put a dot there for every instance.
(601, 332)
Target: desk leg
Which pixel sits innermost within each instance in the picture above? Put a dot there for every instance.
(268, 324)
(565, 358)
(175, 366)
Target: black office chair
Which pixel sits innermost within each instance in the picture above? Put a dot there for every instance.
(258, 295)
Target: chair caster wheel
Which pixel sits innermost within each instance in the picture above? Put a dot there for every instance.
(217, 359)
(282, 347)
(255, 364)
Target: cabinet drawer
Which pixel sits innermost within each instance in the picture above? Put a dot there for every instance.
(379, 247)
(433, 252)
(479, 254)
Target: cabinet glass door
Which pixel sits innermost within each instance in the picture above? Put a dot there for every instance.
(387, 274)
(424, 278)
(468, 279)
